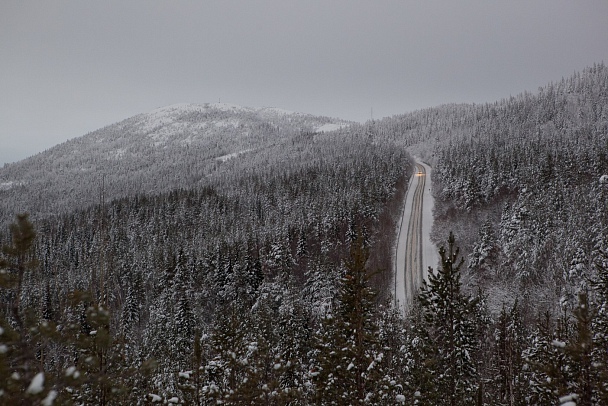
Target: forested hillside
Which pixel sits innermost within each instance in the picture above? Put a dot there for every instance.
(265, 239)
(520, 183)
(263, 278)
(523, 184)
(532, 172)
(173, 147)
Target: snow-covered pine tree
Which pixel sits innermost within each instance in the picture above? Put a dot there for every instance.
(131, 312)
(183, 321)
(392, 338)
(563, 363)
(451, 322)
(508, 384)
(254, 276)
(545, 361)
(347, 368)
(420, 360)
(318, 292)
(226, 369)
(17, 260)
(19, 336)
(583, 377)
(484, 258)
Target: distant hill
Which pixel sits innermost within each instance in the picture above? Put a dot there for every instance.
(173, 147)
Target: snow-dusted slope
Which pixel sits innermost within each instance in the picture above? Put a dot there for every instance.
(171, 147)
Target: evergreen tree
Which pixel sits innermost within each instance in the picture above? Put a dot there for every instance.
(95, 372)
(302, 246)
(546, 363)
(254, 276)
(582, 373)
(130, 315)
(191, 381)
(233, 373)
(484, 258)
(18, 259)
(392, 337)
(508, 385)
(320, 286)
(349, 361)
(183, 325)
(450, 326)
(20, 337)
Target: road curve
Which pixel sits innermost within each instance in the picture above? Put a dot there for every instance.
(415, 252)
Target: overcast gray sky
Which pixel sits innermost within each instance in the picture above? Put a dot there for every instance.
(70, 67)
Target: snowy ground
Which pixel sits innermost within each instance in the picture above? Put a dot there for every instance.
(430, 254)
(418, 242)
(225, 158)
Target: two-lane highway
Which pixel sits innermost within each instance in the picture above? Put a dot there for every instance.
(415, 252)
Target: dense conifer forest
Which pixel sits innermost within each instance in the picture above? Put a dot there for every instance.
(257, 268)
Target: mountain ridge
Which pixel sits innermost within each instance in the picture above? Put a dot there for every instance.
(170, 147)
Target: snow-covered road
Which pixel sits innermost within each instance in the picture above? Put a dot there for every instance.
(415, 251)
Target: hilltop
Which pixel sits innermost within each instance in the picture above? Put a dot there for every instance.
(172, 147)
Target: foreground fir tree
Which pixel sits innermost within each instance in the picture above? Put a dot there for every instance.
(564, 361)
(244, 368)
(448, 336)
(545, 361)
(19, 367)
(349, 368)
(74, 360)
(18, 259)
(568, 362)
(583, 372)
(508, 383)
(227, 370)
